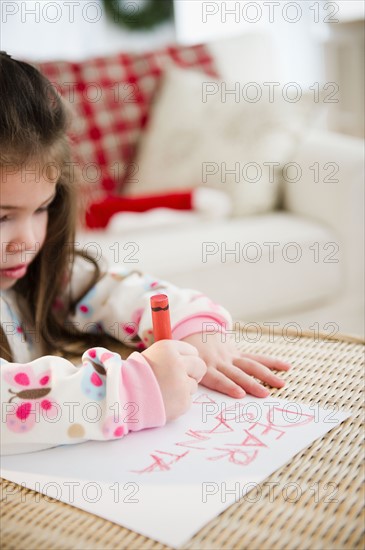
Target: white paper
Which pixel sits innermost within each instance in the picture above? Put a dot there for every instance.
(167, 483)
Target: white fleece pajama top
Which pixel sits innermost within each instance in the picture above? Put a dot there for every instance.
(47, 401)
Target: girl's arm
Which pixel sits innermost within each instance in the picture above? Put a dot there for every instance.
(119, 305)
(50, 402)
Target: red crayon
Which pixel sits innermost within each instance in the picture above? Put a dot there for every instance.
(161, 317)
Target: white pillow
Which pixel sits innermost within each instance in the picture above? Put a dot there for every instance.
(190, 142)
(207, 204)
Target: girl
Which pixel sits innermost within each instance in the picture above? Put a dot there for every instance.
(56, 302)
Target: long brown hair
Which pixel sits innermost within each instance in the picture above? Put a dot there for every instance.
(33, 128)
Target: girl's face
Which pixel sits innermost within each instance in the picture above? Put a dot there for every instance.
(25, 196)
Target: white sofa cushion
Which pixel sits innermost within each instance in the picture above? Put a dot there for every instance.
(248, 289)
(331, 191)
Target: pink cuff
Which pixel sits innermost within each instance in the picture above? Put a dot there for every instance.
(198, 323)
(139, 387)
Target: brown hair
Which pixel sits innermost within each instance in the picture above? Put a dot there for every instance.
(33, 126)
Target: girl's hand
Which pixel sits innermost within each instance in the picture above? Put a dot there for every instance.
(231, 371)
(178, 369)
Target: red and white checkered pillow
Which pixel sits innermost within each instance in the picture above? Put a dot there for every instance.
(110, 98)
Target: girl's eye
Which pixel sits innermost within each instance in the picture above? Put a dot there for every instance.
(43, 209)
(39, 211)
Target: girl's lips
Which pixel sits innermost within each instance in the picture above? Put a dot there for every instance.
(16, 272)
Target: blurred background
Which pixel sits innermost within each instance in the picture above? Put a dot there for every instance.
(315, 47)
(325, 44)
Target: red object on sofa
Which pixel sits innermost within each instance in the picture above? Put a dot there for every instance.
(110, 100)
(99, 213)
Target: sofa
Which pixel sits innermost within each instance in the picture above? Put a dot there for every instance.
(287, 248)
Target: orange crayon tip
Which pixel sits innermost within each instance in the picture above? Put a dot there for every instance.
(161, 317)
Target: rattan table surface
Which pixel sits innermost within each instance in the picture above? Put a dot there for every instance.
(316, 501)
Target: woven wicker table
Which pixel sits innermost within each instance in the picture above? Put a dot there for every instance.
(318, 498)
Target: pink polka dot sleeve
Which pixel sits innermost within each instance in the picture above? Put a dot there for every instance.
(50, 401)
